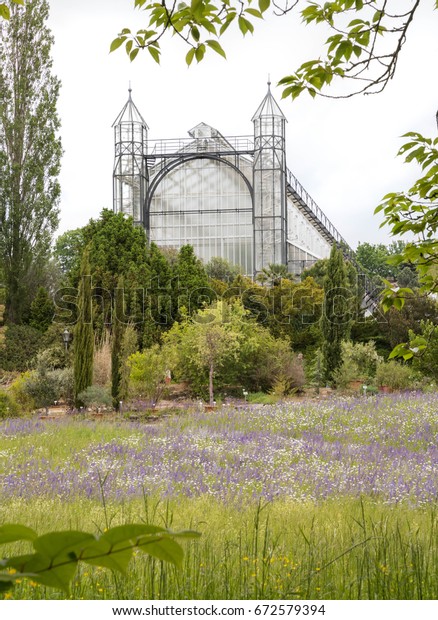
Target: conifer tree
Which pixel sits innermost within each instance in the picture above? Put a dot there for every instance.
(83, 342)
(336, 318)
(42, 310)
(158, 316)
(117, 343)
(191, 286)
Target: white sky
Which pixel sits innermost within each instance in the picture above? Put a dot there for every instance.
(342, 151)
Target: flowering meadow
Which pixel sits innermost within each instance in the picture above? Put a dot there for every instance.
(386, 448)
(330, 499)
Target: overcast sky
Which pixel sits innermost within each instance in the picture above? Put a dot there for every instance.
(342, 151)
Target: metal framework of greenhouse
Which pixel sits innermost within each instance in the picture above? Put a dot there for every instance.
(228, 196)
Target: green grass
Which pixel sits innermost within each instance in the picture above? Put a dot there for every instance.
(283, 550)
(341, 547)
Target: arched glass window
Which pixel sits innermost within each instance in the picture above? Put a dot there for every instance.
(206, 203)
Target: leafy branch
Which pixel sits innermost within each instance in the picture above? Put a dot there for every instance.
(415, 212)
(362, 51)
(57, 554)
(200, 24)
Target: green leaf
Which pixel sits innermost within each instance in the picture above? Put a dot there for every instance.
(199, 52)
(401, 350)
(165, 549)
(208, 26)
(41, 569)
(132, 532)
(198, 8)
(114, 548)
(4, 11)
(190, 56)
(229, 18)
(254, 13)
(264, 5)
(58, 553)
(117, 43)
(245, 25)
(155, 53)
(11, 533)
(214, 45)
(195, 33)
(101, 553)
(133, 54)
(63, 544)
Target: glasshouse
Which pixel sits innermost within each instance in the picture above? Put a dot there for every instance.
(231, 197)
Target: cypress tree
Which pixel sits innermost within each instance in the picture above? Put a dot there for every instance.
(117, 343)
(336, 317)
(42, 310)
(83, 343)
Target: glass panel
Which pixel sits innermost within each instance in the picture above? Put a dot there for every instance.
(205, 203)
(304, 235)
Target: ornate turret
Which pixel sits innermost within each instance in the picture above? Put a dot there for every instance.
(130, 171)
(269, 184)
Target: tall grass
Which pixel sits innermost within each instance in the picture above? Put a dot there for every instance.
(352, 549)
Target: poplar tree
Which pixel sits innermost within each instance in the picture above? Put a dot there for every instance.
(83, 342)
(336, 317)
(30, 150)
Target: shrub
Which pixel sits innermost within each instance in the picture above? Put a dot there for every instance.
(8, 406)
(272, 363)
(96, 397)
(364, 355)
(346, 373)
(51, 357)
(394, 375)
(46, 384)
(64, 379)
(147, 373)
(20, 346)
(43, 387)
(359, 361)
(19, 393)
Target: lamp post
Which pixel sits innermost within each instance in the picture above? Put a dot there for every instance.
(66, 336)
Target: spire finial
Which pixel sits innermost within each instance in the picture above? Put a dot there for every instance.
(269, 82)
(130, 89)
